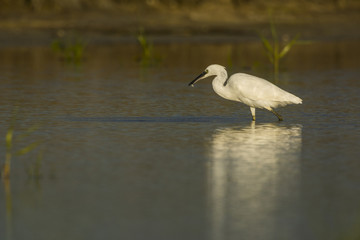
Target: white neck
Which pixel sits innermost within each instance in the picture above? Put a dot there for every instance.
(218, 85)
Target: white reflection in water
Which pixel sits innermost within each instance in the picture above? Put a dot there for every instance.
(254, 174)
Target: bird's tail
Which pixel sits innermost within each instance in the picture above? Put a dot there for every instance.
(294, 99)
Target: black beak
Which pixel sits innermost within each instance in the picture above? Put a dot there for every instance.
(197, 79)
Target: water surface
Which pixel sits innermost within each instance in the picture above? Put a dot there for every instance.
(130, 152)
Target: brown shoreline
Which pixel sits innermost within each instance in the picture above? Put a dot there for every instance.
(122, 24)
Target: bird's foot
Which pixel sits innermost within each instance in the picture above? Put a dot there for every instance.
(276, 114)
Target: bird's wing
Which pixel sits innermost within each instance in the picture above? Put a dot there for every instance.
(260, 92)
(252, 87)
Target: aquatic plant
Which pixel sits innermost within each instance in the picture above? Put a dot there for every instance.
(276, 49)
(70, 49)
(148, 56)
(146, 46)
(10, 141)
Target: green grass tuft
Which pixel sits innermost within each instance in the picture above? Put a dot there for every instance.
(70, 49)
(10, 140)
(275, 49)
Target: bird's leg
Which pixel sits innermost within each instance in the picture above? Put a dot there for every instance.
(276, 114)
(252, 109)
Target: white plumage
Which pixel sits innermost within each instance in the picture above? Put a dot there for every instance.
(250, 90)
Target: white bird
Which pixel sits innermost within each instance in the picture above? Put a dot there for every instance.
(250, 90)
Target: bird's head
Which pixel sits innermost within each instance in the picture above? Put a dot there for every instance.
(212, 70)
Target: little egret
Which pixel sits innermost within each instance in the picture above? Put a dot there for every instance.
(250, 90)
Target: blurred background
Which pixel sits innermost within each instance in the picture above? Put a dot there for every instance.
(106, 20)
(101, 138)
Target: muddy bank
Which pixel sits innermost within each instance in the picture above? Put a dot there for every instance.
(122, 23)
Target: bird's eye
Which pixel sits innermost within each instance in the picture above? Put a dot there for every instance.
(206, 70)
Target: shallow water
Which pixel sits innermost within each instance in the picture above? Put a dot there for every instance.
(131, 152)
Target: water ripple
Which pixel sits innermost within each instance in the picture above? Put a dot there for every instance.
(166, 119)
